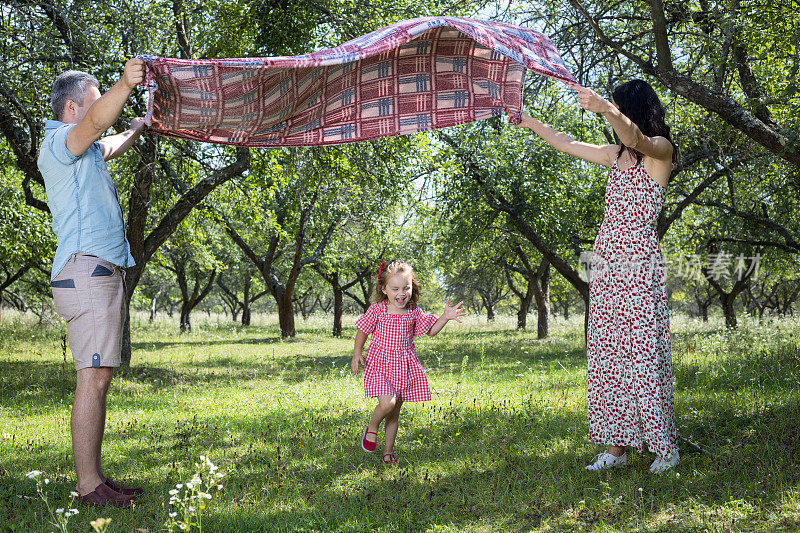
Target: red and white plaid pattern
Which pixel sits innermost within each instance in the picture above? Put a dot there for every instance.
(412, 76)
(392, 365)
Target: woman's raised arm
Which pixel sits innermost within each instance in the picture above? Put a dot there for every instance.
(594, 153)
(629, 133)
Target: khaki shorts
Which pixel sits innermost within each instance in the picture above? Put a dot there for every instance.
(89, 293)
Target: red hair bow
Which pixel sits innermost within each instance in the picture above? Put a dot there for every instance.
(381, 270)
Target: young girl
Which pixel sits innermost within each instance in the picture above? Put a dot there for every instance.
(393, 373)
(628, 348)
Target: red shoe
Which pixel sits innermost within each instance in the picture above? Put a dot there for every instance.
(366, 445)
(389, 459)
(128, 491)
(105, 496)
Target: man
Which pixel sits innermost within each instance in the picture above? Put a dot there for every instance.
(92, 253)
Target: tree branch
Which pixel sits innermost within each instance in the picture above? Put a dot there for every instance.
(768, 134)
(190, 199)
(660, 35)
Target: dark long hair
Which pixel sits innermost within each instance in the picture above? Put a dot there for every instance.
(639, 102)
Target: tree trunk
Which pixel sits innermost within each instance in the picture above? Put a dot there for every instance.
(525, 307)
(526, 297)
(543, 320)
(286, 315)
(126, 331)
(542, 294)
(338, 305)
(301, 303)
(186, 324)
(728, 310)
(246, 299)
(191, 300)
(153, 306)
(489, 312)
(586, 325)
(727, 299)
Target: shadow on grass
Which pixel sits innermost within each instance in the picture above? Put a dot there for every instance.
(491, 466)
(160, 345)
(515, 467)
(773, 370)
(280, 462)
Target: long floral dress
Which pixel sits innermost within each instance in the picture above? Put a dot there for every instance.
(628, 347)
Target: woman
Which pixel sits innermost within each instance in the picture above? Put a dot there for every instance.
(628, 348)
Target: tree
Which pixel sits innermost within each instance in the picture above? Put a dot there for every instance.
(474, 273)
(537, 281)
(732, 59)
(292, 204)
(155, 285)
(26, 243)
(192, 255)
(238, 277)
(378, 221)
(551, 200)
(727, 73)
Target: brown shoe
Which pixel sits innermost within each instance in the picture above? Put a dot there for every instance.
(103, 496)
(128, 491)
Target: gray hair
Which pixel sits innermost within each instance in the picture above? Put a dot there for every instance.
(70, 85)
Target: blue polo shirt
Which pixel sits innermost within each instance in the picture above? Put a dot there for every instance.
(87, 217)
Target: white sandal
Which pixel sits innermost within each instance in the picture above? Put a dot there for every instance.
(661, 465)
(605, 461)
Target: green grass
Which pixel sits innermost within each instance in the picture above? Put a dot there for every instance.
(501, 447)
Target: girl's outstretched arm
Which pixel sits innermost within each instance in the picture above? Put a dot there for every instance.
(629, 133)
(450, 313)
(594, 153)
(358, 358)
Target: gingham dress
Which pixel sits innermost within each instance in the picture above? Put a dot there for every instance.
(392, 366)
(628, 349)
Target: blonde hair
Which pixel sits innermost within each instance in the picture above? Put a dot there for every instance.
(395, 266)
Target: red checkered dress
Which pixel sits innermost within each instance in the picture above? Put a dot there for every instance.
(392, 365)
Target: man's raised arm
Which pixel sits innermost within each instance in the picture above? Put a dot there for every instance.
(104, 111)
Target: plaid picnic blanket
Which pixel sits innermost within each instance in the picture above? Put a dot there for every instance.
(415, 75)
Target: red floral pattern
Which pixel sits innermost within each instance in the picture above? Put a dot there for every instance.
(392, 366)
(628, 347)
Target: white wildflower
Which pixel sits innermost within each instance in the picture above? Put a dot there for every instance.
(59, 510)
(173, 515)
(173, 491)
(33, 474)
(73, 494)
